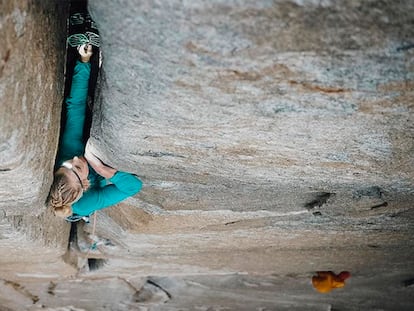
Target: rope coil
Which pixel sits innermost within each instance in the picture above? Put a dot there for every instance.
(87, 38)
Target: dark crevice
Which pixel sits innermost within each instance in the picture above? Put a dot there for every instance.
(73, 235)
(155, 154)
(95, 263)
(320, 199)
(159, 287)
(408, 282)
(379, 205)
(80, 22)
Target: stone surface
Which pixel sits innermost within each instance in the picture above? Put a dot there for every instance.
(31, 86)
(256, 106)
(31, 75)
(274, 139)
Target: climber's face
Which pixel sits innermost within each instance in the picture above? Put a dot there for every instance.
(80, 167)
(77, 169)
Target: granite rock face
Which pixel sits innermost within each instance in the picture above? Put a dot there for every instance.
(274, 139)
(256, 106)
(32, 62)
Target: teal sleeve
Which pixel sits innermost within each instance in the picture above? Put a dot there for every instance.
(123, 186)
(72, 138)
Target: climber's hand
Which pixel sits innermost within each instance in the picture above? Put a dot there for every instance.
(85, 52)
(99, 167)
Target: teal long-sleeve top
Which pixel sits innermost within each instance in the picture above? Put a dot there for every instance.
(102, 193)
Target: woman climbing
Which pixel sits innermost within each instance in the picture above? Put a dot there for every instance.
(82, 183)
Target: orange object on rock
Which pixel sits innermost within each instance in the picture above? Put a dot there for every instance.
(326, 281)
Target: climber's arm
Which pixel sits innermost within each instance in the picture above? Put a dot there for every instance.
(72, 143)
(123, 186)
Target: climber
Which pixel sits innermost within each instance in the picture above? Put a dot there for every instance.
(325, 281)
(80, 185)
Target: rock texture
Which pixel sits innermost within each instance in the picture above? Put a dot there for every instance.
(256, 106)
(274, 139)
(31, 73)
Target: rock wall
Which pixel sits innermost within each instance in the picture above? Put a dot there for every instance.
(274, 139)
(32, 65)
(256, 106)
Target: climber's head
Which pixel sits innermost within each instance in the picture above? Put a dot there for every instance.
(70, 181)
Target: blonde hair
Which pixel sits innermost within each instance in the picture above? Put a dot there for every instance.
(63, 193)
